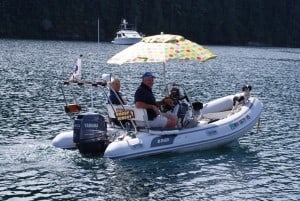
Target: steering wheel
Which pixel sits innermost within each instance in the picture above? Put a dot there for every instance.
(166, 107)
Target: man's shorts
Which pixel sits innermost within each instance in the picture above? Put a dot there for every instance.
(158, 122)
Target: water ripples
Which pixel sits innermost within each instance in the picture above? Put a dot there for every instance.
(259, 166)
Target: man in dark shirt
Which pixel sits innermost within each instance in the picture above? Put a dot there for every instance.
(144, 98)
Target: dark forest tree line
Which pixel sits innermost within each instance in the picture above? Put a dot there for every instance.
(225, 22)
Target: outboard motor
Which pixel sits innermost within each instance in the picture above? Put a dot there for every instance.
(90, 133)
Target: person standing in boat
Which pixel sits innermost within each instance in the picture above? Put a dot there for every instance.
(144, 98)
(115, 96)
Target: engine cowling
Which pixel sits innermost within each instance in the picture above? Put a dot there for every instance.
(90, 133)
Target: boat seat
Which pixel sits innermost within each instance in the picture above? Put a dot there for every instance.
(127, 112)
(214, 116)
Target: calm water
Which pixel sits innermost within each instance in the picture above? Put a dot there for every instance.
(260, 166)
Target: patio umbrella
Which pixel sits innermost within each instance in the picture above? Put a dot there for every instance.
(162, 48)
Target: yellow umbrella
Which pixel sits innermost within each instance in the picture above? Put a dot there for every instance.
(162, 48)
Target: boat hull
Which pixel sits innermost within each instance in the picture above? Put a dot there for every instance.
(127, 34)
(201, 137)
(126, 41)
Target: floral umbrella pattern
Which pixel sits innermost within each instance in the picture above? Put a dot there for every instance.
(162, 48)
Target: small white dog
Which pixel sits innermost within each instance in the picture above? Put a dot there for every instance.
(242, 98)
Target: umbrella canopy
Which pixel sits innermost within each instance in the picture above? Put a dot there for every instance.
(162, 48)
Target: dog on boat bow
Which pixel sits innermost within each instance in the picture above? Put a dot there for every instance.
(243, 97)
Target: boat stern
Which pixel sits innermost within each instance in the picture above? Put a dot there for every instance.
(64, 140)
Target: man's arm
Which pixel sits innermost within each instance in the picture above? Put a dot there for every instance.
(143, 105)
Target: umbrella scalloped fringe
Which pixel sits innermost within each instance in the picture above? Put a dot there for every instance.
(155, 51)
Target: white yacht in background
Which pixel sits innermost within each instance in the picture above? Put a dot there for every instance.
(127, 35)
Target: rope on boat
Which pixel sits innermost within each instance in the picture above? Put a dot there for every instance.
(258, 125)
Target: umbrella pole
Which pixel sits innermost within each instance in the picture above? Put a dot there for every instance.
(164, 63)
